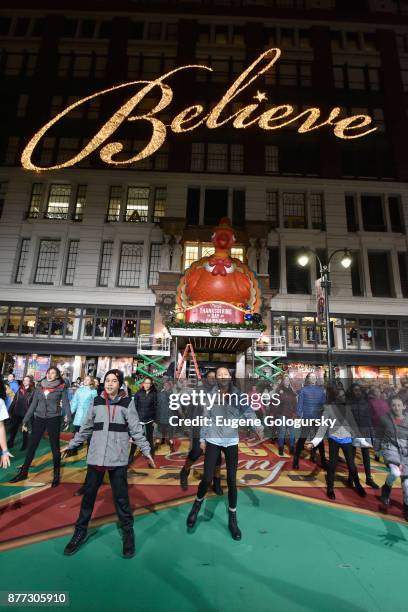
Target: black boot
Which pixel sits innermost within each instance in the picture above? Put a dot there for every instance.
(128, 543)
(56, 478)
(405, 511)
(292, 450)
(184, 478)
(385, 494)
(361, 491)
(79, 538)
(22, 474)
(370, 482)
(295, 464)
(192, 517)
(233, 525)
(280, 451)
(330, 493)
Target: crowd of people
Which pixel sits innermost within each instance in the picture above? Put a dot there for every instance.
(114, 423)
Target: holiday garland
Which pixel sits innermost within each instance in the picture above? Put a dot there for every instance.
(248, 325)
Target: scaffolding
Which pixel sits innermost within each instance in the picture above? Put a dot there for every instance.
(266, 352)
(151, 352)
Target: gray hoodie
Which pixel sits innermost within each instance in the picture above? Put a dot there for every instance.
(110, 423)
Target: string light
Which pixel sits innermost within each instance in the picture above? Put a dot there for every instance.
(192, 117)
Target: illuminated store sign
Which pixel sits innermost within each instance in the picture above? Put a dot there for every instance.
(274, 118)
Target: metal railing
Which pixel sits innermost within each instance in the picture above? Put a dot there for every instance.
(150, 344)
(270, 345)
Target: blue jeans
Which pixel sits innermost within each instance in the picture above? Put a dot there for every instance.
(282, 434)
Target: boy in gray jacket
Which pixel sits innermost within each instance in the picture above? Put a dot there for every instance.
(110, 421)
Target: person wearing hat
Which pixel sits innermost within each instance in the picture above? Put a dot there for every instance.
(109, 422)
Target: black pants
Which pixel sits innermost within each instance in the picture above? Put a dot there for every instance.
(148, 432)
(211, 458)
(347, 449)
(300, 444)
(14, 425)
(196, 452)
(119, 486)
(53, 427)
(365, 452)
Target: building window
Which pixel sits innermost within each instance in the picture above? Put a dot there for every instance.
(394, 207)
(154, 264)
(58, 202)
(71, 262)
(272, 208)
(380, 274)
(106, 262)
(294, 210)
(22, 104)
(317, 211)
(22, 260)
(274, 268)
(12, 151)
(35, 201)
(373, 213)
(3, 191)
(351, 213)
(271, 159)
(215, 205)
(238, 253)
(115, 202)
(47, 262)
(159, 208)
(190, 254)
(237, 158)
(130, 267)
(403, 271)
(80, 202)
(356, 276)
(217, 157)
(238, 208)
(137, 204)
(297, 278)
(193, 206)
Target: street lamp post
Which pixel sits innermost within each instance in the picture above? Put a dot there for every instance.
(325, 284)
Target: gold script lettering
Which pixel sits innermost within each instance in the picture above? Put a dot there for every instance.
(192, 117)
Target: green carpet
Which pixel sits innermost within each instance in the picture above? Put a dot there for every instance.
(294, 556)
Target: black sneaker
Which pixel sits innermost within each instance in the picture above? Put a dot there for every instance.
(280, 451)
(371, 483)
(80, 537)
(361, 491)
(128, 543)
(21, 475)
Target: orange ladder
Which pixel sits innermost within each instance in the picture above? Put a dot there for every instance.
(189, 349)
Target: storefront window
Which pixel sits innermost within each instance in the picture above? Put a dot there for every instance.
(279, 326)
(336, 329)
(308, 331)
(43, 323)
(88, 323)
(3, 318)
(351, 334)
(101, 323)
(29, 319)
(380, 339)
(366, 335)
(321, 335)
(130, 327)
(394, 340)
(293, 331)
(58, 321)
(116, 321)
(145, 322)
(13, 325)
(72, 324)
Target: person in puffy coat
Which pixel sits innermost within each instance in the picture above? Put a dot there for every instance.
(82, 401)
(165, 432)
(361, 412)
(310, 406)
(146, 407)
(109, 422)
(392, 434)
(18, 408)
(49, 400)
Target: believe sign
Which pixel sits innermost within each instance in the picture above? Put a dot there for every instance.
(273, 118)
